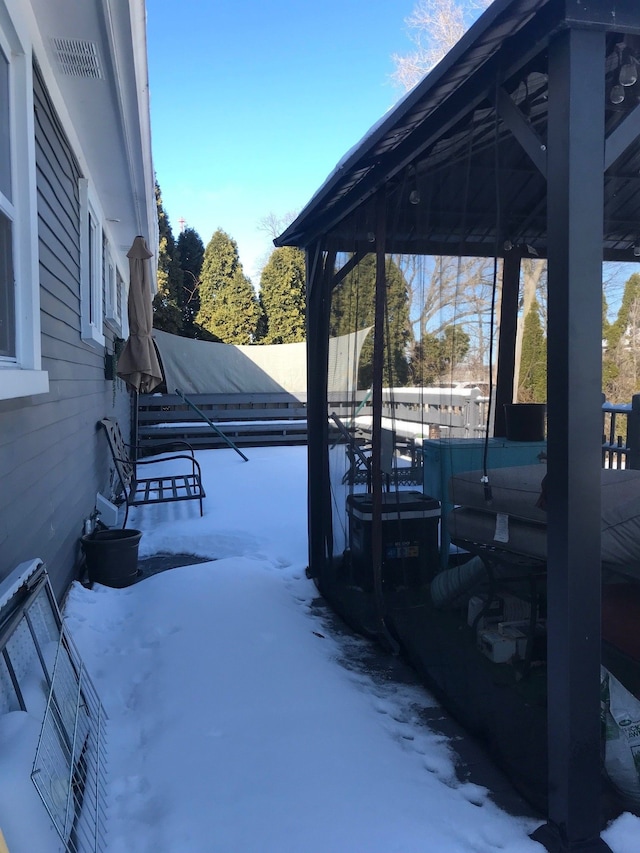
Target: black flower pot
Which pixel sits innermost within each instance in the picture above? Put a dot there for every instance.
(112, 556)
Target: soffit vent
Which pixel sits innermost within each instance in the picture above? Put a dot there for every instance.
(78, 58)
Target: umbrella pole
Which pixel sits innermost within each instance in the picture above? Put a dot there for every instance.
(134, 426)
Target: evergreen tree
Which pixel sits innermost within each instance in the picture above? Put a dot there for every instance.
(167, 303)
(624, 320)
(283, 297)
(610, 370)
(191, 254)
(261, 325)
(621, 363)
(229, 307)
(434, 357)
(533, 363)
(606, 325)
(353, 308)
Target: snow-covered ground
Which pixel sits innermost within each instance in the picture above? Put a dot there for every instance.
(233, 725)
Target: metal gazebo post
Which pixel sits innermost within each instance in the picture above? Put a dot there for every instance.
(319, 268)
(574, 226)
(376, 426)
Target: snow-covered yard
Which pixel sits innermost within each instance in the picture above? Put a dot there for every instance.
(234, 725)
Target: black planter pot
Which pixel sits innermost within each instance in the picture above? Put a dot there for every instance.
(112, 556)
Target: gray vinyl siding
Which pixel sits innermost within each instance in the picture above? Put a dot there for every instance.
(52, 458)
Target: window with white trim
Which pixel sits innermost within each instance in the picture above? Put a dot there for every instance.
(20, 354)
(90, 268)
(7, 294)
(112, 287)
(120, 297)
(7, 291)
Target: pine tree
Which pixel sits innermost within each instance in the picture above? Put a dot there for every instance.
(533, 363)
(610, 370)
(261, 325)
(167, 303)
(229, 307)
(283, 297)
(191, 254)
(434, 357)
(622, 323)
(621, 366)
(352, 308)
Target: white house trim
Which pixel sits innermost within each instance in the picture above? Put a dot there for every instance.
(23, 376)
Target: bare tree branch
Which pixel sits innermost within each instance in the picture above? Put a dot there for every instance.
(273, 224)
(434, 27)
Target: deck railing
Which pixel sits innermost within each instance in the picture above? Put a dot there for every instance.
(416, 413)
(446, 412)
(621, 434)
(247, 419)
(280, 418)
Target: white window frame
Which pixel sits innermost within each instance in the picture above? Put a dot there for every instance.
(22, 375)
(112, 282)
(91, 282)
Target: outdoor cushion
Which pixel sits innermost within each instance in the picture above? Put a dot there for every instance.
(513, 490)
(524, 537)
(515, 493)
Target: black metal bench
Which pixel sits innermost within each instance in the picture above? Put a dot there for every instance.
(150, 490)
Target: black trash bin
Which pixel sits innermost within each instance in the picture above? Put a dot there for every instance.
(410, 554)
(112, 556)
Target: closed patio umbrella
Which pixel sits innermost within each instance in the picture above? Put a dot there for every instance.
(138, 363)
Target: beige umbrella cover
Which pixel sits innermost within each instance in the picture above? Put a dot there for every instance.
(138, 362)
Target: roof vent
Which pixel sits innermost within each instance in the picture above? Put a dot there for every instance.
(78, 58)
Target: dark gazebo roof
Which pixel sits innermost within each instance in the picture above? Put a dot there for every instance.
(445, 132)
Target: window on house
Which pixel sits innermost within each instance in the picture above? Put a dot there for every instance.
(7, 294)
(5, 146)
(20, 355)
(112, 286)
(90, 268)
(119, 295)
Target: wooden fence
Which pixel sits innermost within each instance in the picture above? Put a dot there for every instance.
(255, 420)
(246, 419)
(280, 418)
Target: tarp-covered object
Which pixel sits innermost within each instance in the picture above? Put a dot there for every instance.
(203, 367)
(138, 363)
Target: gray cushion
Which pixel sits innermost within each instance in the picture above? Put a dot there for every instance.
(515, 492)
(621, 520)
(525, 537)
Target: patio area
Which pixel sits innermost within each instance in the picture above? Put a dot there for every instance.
(244, 716)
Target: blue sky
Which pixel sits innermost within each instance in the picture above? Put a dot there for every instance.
(253, 103)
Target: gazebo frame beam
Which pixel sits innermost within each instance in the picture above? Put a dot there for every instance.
(575, 225)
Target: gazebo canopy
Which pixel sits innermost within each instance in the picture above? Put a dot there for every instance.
(525, 139)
